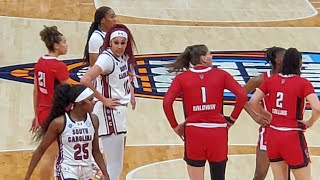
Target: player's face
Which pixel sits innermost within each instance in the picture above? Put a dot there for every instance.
(109, 20)
(118, 46)
(207, 59)
(279, 58)
(62, 46)
(88, 104)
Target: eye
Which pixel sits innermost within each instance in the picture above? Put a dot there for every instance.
(116, 42)
(123, 43)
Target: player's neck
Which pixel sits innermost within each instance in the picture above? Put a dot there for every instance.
(78, 115)
(102, 28)
(54, 54)
(275, 70)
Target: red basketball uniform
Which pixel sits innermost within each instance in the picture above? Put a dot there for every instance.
(49, 72)
(286, 103)
(202, 91)
(262, 141)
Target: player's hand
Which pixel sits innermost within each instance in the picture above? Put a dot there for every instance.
(133, 102)
(179, 130)
(264, 118)
(307, 123)
(34, 126)
(111, 103)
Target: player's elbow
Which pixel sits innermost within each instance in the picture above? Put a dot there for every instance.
(242, 96)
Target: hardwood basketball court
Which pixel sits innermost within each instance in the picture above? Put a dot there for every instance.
(153, 150)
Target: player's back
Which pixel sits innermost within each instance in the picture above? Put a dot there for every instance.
(75, 142)
(286, 96)
(202, 90)
(46, 71)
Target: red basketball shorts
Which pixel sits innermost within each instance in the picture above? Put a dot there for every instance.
(288, 146)
(262, 141)
(203, 144)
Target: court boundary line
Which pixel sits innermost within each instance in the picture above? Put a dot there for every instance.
(142, 145)
(135, 170)
(180, 26)
(311, 7)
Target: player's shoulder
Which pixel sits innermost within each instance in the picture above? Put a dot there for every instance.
(94, 119)
(97, 36)
(59, 122)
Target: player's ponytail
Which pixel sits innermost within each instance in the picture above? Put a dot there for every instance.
(50, 35)
(99, 14)
(272, 53)
(190, 56)
(292, 62)
(64, 96)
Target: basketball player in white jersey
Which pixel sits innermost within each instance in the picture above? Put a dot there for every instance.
(115, 63)
(104, 19)
(72, 125)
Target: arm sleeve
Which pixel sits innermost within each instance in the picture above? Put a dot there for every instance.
(105, 62)
(172, 93)
(95, 42)
(241, 96)
(307, 88)
(61, 72)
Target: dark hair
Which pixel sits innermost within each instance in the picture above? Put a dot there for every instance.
(191, 55)
(272, 53)
(292, 62)
(64, 95)
(50, 35)
(100, 13)
(130, 46)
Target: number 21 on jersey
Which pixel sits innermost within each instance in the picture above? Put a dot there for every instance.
(42, 79)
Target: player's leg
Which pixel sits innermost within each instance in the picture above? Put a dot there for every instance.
(194, 152)
(302, 173)
(195, 173)
(217, 151)
(262, 161)
(46, 163)
(279, 170)
(297, 155)
(113, 147)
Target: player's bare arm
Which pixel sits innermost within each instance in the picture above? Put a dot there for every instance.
(55, 128)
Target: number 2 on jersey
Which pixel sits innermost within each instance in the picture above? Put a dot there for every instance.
(42, 79)
(78, 149)
(279, 99)
(204, 95)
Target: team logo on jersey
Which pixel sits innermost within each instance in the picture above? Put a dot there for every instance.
(154, 79)
(70, 125)
(88, 123)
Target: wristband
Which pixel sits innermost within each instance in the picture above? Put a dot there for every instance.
(229, 119)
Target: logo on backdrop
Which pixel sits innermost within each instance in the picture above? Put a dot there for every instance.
(155, 80)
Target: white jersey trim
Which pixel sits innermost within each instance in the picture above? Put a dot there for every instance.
(200, 70)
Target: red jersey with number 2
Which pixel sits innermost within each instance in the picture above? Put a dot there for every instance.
(286, 99)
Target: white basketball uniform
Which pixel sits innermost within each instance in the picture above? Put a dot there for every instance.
(75, 150)
(95, 43)
(115, 85)
(262, 141)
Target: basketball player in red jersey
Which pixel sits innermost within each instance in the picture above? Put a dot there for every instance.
(76, 130)
(274, 55)
(202, 90)
(48, 73)
(286, 92)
